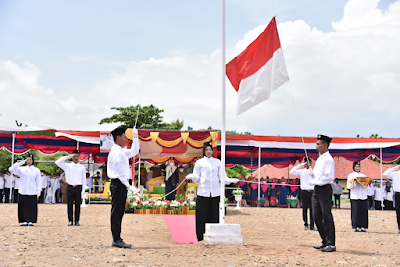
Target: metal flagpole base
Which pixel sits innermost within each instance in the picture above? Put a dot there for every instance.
(223, 234)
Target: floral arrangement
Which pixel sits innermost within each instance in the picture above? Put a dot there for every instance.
(238, 192)
(146, 204)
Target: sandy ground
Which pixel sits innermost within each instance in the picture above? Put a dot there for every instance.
(272, 237)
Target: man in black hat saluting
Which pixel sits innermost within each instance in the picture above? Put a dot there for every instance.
(323, 175)
(75, 175)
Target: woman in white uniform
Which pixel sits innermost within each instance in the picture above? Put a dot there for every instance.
(207, 174)
(29, 190)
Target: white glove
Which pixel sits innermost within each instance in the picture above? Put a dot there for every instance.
(70, 156)
(235, 180)
(131, 188)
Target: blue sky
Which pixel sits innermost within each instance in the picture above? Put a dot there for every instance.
(69, 53)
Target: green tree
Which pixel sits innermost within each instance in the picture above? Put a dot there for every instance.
(49, 167)
(5, 159)
(149, 118)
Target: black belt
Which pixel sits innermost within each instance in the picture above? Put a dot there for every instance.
(75, 185)
(309, 191)
(396, 193)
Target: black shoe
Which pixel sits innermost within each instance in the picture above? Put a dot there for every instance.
(305, 227)
(363, 230)
(320, 246)
(24, 224)
(357, 230)
(120, 244)
(329, 248)
(313, 229)
(30, 224)
(70, 224)
(77, 224)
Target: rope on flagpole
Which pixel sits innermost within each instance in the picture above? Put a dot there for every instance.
(147, 62)
(295, 109)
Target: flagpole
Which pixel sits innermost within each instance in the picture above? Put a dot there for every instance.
(222, 170)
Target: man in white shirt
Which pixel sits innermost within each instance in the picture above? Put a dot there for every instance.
(323, 175)
(75, 175)
(8, 185)
(43, 181)
(306, 190)
(2, 180)
(118, 172)
(337, 190)
(16, 188)
(370, 194)
(394, 175)
(89, 181)
(378, 199)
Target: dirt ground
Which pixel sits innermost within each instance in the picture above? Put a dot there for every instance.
(272, 237)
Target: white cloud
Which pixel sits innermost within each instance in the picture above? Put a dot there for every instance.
(345, 82)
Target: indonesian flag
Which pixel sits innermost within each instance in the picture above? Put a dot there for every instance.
(259, 70)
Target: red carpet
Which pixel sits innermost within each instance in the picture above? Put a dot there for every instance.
(182, 228)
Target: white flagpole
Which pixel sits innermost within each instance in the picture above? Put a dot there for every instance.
(381, 177)
(138, 185)
(222, 170)
(11, 196)
(259, 175)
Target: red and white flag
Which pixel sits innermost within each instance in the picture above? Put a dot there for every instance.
(259, 70)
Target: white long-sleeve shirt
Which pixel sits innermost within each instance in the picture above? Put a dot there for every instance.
(388, 195)
(29, 178)
(54, 183)
(9, 182)
(43, 180)
(324, 170)
(357, 191)
(207, 174)
(395, 176)
(305, 177)
(370, 190)
(75, 173)
(378, 193)
(337, 188)
(16, 182)
(118, 161)
(2, 181)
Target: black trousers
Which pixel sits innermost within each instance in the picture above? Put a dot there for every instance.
(322, 210)
(306, 197)
(378, 205)
(1, 195)
(397, 204)
(388, 205)
(118, 198)
(207, 211)
(359, 213)
(337, 201)
(74, 196)
(6, 195)
(41, 197)
(15, 196)
(27, 208)
(370, 202)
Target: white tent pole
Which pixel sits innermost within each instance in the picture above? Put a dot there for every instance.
(77, 145)
(138, 185)
(12, 162)
(381, 178)
(222, 170)
(259, 175)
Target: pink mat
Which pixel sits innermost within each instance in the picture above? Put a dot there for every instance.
(182, 228)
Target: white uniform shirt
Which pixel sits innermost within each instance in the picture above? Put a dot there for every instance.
(9, 181)
(370, 190)
(118, 161)
(54, 183)
(378, 193)
(357, 191)
(29, 178)
(305, 177)
(395, 176)
(2, 181)
(207, 174)
(75, 174)
(388, 195)
(89, 182)
(337, 188)
(324, 170)
(44, 180)
(16, 182)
